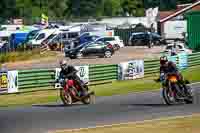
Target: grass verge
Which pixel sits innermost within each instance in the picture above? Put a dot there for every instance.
(115, 88)
(23, 56)
(176, 125)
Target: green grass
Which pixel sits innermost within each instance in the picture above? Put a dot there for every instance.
(173, 125)
(115, 88)
(192, 74)
(124, 87)
(23, 56)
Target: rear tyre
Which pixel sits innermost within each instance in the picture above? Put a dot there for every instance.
(116, 47)
(72, 57)
(89, 100)
(151, 44)
(190, 98)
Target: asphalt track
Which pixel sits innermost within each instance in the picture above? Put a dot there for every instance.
(107, 110)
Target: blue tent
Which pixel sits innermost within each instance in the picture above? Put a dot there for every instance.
(21, 37)
(17, 38)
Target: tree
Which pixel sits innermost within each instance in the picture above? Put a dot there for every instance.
(58, 9)
(151, 3)
(85, 8)
(133, 7)
(185, 1)
(7, 9)
(112, 7)
(166, 5)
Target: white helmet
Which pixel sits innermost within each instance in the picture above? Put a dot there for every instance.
(63, 64)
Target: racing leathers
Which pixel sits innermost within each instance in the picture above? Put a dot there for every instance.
(70, 73)
(170, 67)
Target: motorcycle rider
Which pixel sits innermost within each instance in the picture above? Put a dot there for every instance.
(69, 72)
(170, 67)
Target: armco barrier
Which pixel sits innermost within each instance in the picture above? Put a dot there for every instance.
(28, 79)
(46, 77)
(36, 78)
(151, 67)
(194, 59)
(102, 73)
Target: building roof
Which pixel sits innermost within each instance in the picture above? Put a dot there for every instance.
(167, 15)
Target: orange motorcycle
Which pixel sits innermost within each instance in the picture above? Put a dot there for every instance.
(173, 91)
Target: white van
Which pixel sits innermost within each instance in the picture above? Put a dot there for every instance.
(42, 35)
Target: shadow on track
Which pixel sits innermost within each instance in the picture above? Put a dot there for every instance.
(56, 105)
(150, 105)
(146, 105)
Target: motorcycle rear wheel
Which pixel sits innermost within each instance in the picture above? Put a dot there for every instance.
(89, 100)
(189, 99)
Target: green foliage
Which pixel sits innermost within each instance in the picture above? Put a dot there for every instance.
(133, 7)
(67, 9)
(112, 7)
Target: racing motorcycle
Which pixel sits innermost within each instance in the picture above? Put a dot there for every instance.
(173, 92)
(71, 93)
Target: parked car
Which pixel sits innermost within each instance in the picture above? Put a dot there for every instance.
(115, 41)
(87, 38)
(180, 47)
(143, 39)
(102, 49)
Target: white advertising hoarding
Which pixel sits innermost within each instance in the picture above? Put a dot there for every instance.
(12, 81)
(131, 70)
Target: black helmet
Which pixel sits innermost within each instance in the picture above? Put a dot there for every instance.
(163, 60)
(63, 64)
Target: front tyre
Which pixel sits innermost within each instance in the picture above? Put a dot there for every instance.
(66, 98)
(79, 55)
(108, 54)
(168, 96)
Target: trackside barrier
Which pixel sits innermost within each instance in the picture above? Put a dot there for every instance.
(34, 79)
(151, 67)
(46, 77)
(194, 59)
(103, 73)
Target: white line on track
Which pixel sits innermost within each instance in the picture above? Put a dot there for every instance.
(137, 122)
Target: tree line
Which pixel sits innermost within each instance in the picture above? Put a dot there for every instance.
(69, 9)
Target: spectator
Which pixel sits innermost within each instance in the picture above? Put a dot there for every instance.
(3, 68)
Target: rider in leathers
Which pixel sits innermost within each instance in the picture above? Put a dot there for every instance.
(69, 72)
(170, 67)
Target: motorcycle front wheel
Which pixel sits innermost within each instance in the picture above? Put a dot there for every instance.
(168, 96)
(66, 98)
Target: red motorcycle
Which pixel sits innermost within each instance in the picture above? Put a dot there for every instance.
(71, 93)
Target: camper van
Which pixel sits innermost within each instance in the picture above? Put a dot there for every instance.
(41, 36)
(62, 38)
